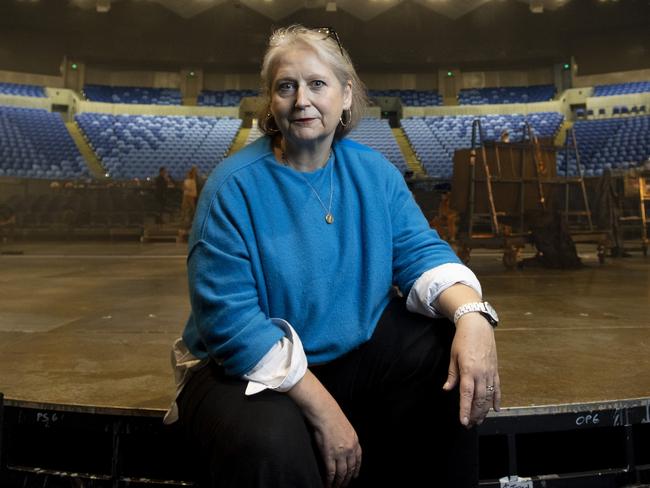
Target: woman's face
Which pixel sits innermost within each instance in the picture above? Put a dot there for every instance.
(307, 99)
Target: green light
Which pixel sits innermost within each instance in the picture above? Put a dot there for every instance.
(74, 66)
(192, 74)
(566, 66)
(450, 74)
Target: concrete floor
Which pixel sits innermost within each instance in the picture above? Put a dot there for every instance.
(92, 324)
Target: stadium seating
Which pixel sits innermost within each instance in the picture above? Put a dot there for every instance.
(225, 98)
(608, 144)
(435, 139)
(35, 143)
(621, 88)
(412, 98)
(22, 90)
(377, 134)
(506, 94)
(132, 94)
(135, 146)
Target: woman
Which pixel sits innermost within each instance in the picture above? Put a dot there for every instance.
(298, 366)
(190, 193)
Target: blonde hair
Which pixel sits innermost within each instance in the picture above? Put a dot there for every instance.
(329, 51)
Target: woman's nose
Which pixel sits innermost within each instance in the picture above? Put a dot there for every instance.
(302, 97)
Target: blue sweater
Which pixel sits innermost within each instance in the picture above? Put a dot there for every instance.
(260, 248)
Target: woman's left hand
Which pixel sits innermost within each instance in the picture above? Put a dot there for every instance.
(474, 364)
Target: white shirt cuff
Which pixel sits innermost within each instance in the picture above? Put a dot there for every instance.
(423, 297)
(282, 367)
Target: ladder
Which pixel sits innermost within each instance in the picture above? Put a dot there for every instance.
(477, 140)
(571, 147)
(529, 135)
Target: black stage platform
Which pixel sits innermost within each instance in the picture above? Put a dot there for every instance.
(85, 332)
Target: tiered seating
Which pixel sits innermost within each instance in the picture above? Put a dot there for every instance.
(225, 98)
(254, 134)
(608, 143)
(35, 143)
(132, 94)
(506, 94)
(621, 88)
(135, 146)
(22, 90)
(435, 139)
(411, 98)
(377, 134)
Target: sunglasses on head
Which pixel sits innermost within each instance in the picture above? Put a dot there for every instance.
(331, 32)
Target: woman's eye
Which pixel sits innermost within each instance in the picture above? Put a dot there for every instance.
(285, 87)
(318, 83)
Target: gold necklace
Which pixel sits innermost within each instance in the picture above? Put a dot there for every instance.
(329, 218)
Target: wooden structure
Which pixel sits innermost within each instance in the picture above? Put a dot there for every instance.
(501, 188)
(636, 191)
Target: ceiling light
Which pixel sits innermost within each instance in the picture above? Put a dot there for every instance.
(103, 6)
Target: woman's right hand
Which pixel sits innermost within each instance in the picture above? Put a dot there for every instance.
(336, 438)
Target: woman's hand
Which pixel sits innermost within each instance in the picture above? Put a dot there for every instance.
(336, 438)
(474, 363)
(339, 446)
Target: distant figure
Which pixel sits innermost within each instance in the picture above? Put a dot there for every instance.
(163, 182)
(505, 137)
(190, 194)
(200, 181)
(7, 221)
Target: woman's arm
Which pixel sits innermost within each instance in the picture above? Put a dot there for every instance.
(335, 436)
(473, 357)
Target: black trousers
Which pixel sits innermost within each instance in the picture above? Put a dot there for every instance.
(390, 388)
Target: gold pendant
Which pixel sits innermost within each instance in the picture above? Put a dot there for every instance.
(329, 218)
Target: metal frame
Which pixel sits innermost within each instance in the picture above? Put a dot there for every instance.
(508, 425)
(620, 415)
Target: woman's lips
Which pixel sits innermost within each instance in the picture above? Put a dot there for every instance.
(303, 121)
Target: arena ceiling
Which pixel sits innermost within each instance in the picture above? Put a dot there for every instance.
(361, 9)
(407, 36)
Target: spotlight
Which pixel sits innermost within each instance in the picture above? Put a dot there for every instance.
(103, 6)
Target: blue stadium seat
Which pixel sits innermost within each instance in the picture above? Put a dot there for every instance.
(22, 90)
(135, 146)
(503, 95)
(35, 143)
(132, 95)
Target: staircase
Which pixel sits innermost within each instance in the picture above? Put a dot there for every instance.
(561, 133)
(240, 140)
(409, 156)
(93, 163)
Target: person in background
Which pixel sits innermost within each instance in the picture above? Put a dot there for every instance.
(299, 365)
(190, 193)
(162, 182)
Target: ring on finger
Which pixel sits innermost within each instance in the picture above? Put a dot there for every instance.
(490, 389)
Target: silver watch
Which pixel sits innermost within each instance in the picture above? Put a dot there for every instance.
(484, 308)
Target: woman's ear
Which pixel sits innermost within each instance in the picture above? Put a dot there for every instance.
(347, 95)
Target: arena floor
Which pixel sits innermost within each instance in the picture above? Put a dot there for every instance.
(91, 324)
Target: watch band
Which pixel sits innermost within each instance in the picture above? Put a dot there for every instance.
(484, 308)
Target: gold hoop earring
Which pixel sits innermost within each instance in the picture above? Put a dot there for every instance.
(349, 117)
(269, 118)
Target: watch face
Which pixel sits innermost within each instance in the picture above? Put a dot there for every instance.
(492, 313)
